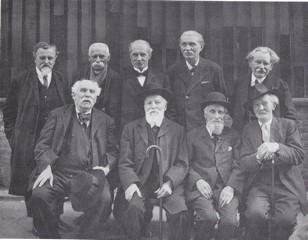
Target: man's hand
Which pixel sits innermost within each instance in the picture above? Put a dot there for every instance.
(43, 177)
(106, 169)
(204, 188)
(226, 196)
(131, 190)
(267, 150)
(164, 191)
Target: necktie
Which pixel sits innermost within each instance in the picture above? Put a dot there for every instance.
(45, 81)
(265, 133)
(84, 118)
(216, 138)
(193, 69)
(155, 129)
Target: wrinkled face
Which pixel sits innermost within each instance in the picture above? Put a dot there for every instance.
(263, 108)
(215, 114)
(261, 64)
(139, 55)
(85, 96)
(45, 59)
(155, 105)
(190, 47)
(99, 56)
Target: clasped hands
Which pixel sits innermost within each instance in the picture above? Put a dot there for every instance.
(164, 191)
(205, 189)
(267, 151)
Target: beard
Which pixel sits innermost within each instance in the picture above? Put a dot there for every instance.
(216, 127)
(45, 70)
(154, 117)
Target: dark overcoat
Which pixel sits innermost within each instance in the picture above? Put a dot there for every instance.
(20, 115)
(205, 157)
(207, 78)
(288, 160)
(109, 101)
(131, 110)
(52, 139)
(171, 139)
(240, 95)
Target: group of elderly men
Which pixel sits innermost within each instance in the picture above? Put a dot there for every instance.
(86, 148)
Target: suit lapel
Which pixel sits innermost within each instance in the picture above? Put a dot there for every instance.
(275, 131)
(95, 122)
(184, 74)
(256, 134)
(33, 81)
(221, 139)
(164, 128)
(142, 130)
(206, 138)
(59, 87)
(198, 75)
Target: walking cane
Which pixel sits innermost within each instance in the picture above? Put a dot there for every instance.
(159, 160)
(272, 197)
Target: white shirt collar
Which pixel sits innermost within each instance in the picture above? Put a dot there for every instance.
(190, 66)
(268, 123)
(143, 70)
(253, 80)
(40, 76)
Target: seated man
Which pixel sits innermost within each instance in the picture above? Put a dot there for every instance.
(271, 155)
(76, 139)
(214, 180)
(139, 173)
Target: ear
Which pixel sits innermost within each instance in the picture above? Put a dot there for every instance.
(108, 58)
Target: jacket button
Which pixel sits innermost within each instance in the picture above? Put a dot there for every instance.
(186, 96)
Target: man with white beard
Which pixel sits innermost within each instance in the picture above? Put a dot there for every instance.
(139, 172)
(214, 181)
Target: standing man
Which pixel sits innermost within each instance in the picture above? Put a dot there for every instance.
(77, 139)
(271, 156)
(192, 79)
(214, 180)
(139, 173)
(108, 80)
(261, 61)
(136, 78)
(32, 95)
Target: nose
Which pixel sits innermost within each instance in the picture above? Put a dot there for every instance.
(45, 60)
(139, 57)
(216, 115)
(261, 107)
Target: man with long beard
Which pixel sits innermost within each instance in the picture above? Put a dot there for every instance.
(214, 181)
(139, 173)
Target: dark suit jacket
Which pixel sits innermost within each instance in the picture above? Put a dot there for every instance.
(109, 101)
(285, 108)
(53, 134)
(131, 88)
(20, 115)
(172, 140)
(205, 157)
(207, 78)
(288, 160)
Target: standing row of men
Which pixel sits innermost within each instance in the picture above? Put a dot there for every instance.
(72, 142)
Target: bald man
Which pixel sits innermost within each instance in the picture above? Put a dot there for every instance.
(107, 79)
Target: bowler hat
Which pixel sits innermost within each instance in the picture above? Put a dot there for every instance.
(154, 89)
(86, 188)
(215, 98)
(258, 91)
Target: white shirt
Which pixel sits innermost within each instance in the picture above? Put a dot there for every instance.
(141, 79)
(268, 126)
(253, 80)
(190, 67)
(41, 76)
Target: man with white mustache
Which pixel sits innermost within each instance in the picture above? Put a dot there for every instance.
(271, 156)
(261, 62)
(31, 96)
(77, 138)
(139, 173)
(214, 180)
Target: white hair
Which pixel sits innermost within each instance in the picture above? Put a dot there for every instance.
(193, 33)
(140, 41)
(100, 45)
(273, 55)
(76, 86)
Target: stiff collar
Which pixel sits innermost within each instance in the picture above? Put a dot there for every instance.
(143, 70)
(267, 124)
(41, 76)
(253, 80)
(190, 66)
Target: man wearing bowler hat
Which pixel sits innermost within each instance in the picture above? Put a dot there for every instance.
(75, 152)
(271, 156)
(214, 180)
(139, 173)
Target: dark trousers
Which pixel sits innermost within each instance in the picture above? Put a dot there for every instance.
(132, 218)
(45, 202)
(206, 217)
(260, 210)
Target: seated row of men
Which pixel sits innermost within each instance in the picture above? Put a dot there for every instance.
(204, 170)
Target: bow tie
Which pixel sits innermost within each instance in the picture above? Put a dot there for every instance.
(145, 73)
(84, 117)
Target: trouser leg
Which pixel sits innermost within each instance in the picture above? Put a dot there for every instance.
(178, 223)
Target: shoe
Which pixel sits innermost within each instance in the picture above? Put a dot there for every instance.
(64, 227)
(147, 231)
(35, 232)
